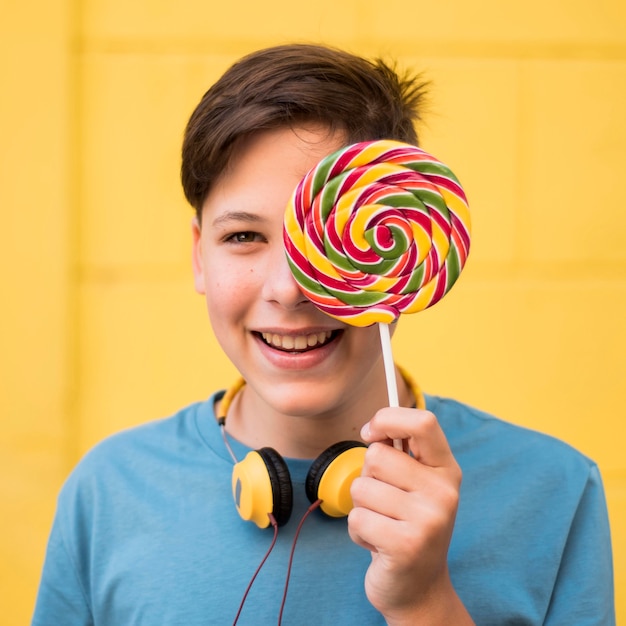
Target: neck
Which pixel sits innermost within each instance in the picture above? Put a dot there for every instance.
(305, 435)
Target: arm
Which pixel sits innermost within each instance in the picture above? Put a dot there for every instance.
(404, 513)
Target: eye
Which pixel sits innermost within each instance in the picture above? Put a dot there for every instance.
(246, 236)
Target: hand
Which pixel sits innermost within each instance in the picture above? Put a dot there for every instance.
(404, 512)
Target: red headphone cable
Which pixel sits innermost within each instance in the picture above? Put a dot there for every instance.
(312, 508)
(258, 569)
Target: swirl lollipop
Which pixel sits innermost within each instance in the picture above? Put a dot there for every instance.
(377, 229)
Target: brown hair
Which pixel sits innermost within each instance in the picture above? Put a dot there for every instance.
(290, 84)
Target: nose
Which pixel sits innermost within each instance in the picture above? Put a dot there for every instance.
(280, 286)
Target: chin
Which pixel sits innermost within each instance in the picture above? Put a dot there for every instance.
(301, 399)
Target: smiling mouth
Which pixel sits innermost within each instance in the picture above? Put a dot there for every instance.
(299, 343)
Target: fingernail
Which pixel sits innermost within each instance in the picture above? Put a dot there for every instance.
(365, 431)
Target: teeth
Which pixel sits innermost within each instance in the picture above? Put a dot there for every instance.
(299, 342)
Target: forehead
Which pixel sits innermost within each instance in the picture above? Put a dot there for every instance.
(295, 148)
(266, 167)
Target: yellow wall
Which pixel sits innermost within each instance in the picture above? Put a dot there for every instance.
(100, 326)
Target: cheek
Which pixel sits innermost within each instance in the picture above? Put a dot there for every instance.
(229, 295)
(365, 343)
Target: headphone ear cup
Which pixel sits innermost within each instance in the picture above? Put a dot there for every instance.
(331, 475)
(262, 485)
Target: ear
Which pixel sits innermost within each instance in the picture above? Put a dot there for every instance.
(196, 256)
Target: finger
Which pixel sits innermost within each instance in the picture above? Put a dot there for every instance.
(381, 497)
(408, 474)
(426, 440)
(366, 528)
(383, 535)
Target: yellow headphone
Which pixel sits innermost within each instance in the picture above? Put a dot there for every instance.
(261, 483)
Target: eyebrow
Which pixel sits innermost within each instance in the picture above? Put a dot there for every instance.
(236, 216)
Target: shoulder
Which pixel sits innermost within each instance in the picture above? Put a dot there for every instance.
(159, 433)
(480, 440)
(148, 449)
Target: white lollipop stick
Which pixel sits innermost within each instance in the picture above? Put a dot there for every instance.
(390, 373)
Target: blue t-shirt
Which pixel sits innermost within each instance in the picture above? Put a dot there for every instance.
(146, 532)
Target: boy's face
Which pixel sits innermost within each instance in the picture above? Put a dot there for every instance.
(298, 360)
